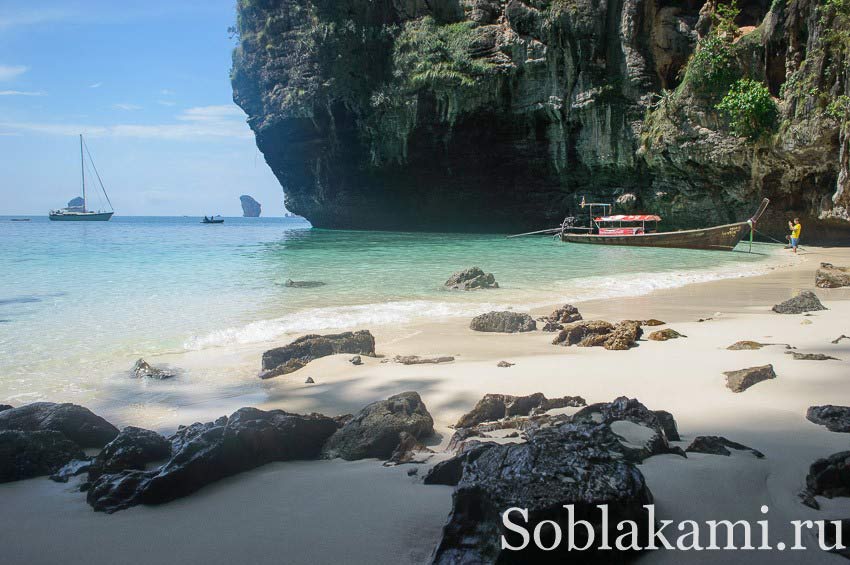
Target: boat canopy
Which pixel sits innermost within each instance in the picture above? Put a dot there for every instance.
(629, 218)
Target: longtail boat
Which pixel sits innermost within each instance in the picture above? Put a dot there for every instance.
(640, 231)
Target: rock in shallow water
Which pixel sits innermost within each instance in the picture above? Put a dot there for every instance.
(375, 431)
(473, 278)
(742, 379)
(205, 453)
(78, 424)
(27, 454)
(302, 284)
(805, 301)
(294, 356)
(144, 370)
(503, 322)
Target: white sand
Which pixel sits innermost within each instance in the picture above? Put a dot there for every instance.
(316, 512)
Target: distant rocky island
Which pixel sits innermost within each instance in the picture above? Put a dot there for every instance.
(250, 207)
(489, 115)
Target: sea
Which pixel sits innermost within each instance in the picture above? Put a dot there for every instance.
(80, 302)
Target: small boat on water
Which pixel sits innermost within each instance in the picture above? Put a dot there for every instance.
(641, 231)
(212, 220)
(82, 213)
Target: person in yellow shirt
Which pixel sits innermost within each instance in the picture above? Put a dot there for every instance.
(796, 228)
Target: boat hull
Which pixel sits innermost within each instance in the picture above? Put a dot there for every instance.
(718, 238)
(82, 217)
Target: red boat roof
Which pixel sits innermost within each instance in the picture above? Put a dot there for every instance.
(629, 218)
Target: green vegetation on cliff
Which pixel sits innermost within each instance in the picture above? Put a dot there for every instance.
(750, 109)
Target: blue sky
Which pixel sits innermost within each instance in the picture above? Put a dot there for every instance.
(147, 84)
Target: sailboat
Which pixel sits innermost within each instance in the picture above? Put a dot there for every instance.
(83, 214)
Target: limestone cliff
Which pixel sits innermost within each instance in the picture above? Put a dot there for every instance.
(250, 207)
(502, 114)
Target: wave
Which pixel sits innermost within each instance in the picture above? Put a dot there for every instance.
(400, 312)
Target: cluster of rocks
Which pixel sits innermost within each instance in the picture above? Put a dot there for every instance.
(830, 276)
(473, 278)
(566, 314)
(41, 438)
(296, 355)
(503, 322)
(804, 301)
(598, 333)
(583, 460)
(828, 477)
(138, 466)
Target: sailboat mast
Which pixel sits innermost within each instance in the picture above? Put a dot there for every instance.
(83, 172)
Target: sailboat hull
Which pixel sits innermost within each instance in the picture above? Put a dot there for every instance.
(82, 217)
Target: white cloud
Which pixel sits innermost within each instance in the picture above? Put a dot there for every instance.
(127, 107)
(225, 121)
(21, 93)
(8, 72)
(166, 103)
(166, 92)
(96, 85)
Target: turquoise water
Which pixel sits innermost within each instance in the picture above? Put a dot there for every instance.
(78, 300)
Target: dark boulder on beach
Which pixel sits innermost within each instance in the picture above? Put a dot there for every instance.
(830, 276)
(205, 453)
(5, 407)
(829, 477)
(497, 406)
(473, 278)
(580, 465)
(250, 207)
(356, 360)
(71, 470)
(742, 379)
(450, 471)
(144, 370)
(641, 431)
(835, 418)
(503, 322)
(505, 364)
(134, 448)
(718, 445)
(599, 333)
(805, 301)
(291, 357)
(78, 424)
(27, 454)
(376, 430)
(668, 424)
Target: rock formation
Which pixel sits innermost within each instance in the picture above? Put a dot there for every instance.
(664, 335)
(144, 370)
(76, 423)
(593, 333)
(27, 454)
(472, 278)
(718, 445)
(76, 203)
(835, 418)
(483, 114)
(294, 356)
(250, 207)
(830, 276)
(742, 379)
(805, 301)
(376, 430)
(503, 322)
(497, 406)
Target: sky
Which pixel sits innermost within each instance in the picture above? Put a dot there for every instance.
(147, 84)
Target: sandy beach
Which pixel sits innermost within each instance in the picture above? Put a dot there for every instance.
(362, 512)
